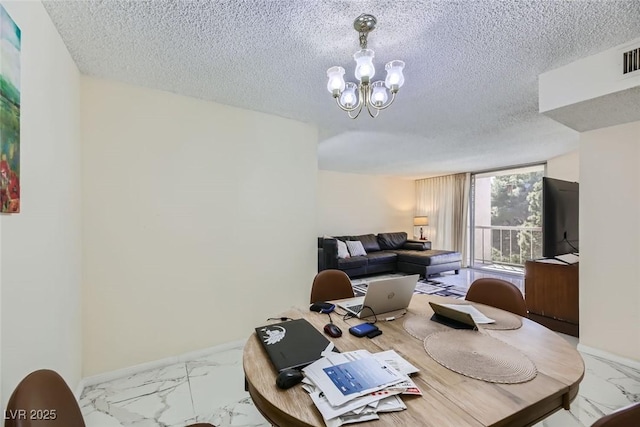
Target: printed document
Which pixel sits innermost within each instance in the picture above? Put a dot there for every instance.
(345, 376)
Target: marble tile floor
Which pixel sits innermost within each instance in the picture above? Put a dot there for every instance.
(606, 387)
(211, 389)
(466, 276)
(207, 389)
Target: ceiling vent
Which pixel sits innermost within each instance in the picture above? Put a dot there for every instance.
(630, 61)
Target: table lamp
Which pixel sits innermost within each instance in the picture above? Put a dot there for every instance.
(420, 221)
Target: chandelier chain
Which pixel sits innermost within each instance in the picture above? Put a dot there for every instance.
(363, 40)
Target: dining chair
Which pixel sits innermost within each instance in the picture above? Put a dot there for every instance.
(497, 293)
(43, 399)
(628, 416)
(331, 285)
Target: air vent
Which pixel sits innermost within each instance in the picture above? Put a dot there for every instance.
(631, 61)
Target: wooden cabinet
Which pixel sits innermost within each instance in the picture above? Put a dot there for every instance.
(551, 293)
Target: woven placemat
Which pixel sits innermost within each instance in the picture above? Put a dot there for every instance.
(504, 319)
(419, 326)
(480, 356)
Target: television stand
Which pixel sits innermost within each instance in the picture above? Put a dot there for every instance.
(551, 294)
(568, 259)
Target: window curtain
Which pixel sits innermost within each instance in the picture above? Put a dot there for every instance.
(445, 200)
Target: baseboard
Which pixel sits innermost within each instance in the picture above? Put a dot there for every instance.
(154, 364)
(635, 364)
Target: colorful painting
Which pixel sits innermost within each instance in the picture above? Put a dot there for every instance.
(9, 113)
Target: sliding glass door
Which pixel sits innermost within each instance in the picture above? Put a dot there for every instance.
(506, 227)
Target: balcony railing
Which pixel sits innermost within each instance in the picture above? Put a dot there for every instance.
(507, 245)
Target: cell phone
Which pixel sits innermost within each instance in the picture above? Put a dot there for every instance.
(362, 329)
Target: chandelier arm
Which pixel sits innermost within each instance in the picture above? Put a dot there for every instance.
(367, 100)
(362, 100)
(370, 113)
(357, 114)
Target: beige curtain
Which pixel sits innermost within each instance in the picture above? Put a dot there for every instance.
(445, 200)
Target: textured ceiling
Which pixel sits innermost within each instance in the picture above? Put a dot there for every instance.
(470, 99)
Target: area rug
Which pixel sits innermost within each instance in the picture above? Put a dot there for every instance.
(424, 286)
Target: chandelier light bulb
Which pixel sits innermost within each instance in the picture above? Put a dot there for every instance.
(379, 93)
(335, 85)
(364, 65)
(349, 97)
(395, 78)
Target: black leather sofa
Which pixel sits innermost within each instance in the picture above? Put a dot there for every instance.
(387, 252)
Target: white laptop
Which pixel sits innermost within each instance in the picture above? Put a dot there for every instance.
(382, 296)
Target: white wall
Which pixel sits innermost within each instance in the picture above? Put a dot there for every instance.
(41, 246)
(610, 240)
(360, 204)
(586, 78)
(565, 167)
(199, 222)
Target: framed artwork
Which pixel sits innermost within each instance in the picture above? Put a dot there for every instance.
(9, 114)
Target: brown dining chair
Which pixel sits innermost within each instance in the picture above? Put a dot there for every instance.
(497, 293)
(43, 399)
(628, 416)
(330, 285)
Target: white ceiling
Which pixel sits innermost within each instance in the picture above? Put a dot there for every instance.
(470, 99)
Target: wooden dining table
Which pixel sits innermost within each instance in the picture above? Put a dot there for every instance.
(449, 398)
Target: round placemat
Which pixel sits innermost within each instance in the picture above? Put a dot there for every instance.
(480, 356)
(504, 319)
(419, 326)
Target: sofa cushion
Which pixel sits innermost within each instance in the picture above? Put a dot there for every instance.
(355, 248)
(369, 242)
(382, 257)
(392, 240)
(414, 246)
(352, 262)
(342, 250)
(429, 257)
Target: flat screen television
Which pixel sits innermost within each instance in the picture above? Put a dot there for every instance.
(559, 217)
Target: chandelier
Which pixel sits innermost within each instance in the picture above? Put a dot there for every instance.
(352, 97)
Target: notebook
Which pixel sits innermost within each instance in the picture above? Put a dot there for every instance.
(382, 296)
(293, 344)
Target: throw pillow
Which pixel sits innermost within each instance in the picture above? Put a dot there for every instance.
(355, 248)
(342, 249)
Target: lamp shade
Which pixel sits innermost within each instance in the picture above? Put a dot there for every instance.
(336, 80)
(395, 78)
(349, 97)
(364, 65)
(378, 93)
(419, 221)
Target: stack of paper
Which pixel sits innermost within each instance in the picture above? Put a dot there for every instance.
(356, 386)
